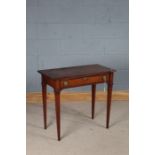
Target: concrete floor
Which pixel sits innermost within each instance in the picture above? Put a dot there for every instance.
(80, 134)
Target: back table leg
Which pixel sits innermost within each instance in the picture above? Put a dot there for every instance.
(93, 100)
(44, 97)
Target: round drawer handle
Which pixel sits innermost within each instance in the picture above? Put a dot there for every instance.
(85, 78)
(104, 78)
(65, 83)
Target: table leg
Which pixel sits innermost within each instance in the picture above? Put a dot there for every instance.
(109, 96)
(93, 99)
(57, 110)
(44, 97)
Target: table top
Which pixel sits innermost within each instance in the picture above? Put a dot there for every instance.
(75, 71)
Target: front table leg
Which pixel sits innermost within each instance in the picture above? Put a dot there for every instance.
(109, 96)
(57, 110)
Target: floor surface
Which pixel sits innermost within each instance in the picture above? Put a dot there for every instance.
(80, 134)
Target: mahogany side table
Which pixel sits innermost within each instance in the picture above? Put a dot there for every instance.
(69, 77)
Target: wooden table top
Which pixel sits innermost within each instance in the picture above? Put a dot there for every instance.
(75, 71)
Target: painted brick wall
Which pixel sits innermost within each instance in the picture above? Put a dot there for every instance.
(75, 32)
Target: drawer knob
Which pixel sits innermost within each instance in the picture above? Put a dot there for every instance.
(104, 78)
(65, 83)
(85, 78)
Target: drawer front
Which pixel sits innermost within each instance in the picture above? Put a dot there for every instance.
(83, 81)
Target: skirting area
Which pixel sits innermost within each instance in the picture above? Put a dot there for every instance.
(36, 97)
(80, 134)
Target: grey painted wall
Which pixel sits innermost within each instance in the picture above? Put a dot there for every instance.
(75, 32)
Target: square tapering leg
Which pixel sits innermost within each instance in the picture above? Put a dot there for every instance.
(57, 110)
(44, 97)
(93, 100)
(109, 96)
